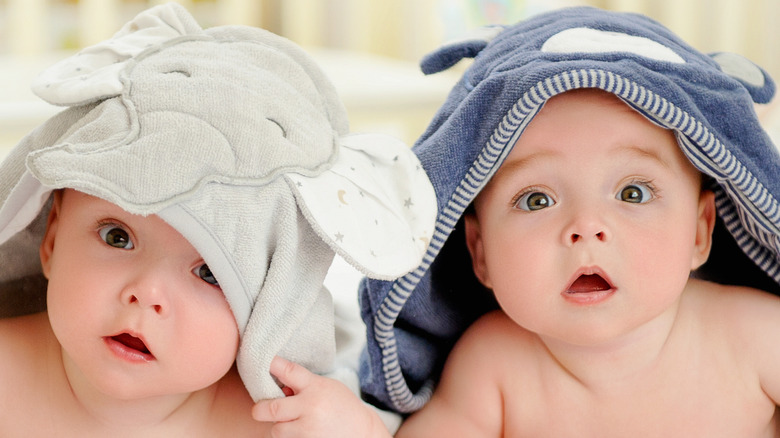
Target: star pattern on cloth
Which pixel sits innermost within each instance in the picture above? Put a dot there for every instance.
(375, 205)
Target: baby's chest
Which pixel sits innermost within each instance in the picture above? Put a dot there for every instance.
(685, 406)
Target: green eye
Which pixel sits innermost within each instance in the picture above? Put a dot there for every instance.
(534, 201)
(205, 274)
(116, 237)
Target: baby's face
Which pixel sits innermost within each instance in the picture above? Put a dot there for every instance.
(132, 303)
(592, 224)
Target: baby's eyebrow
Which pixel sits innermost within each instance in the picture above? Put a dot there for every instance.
(511, 166)
(645, 153)
(518, 164)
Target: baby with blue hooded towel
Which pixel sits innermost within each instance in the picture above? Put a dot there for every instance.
(608, 216)
(183, 212)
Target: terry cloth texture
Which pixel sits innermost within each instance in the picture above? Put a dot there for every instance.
(707, 100)
(237, 139)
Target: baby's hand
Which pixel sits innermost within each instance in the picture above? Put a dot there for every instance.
(316, 406)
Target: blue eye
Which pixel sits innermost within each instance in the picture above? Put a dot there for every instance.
(116, 237)
(636, 193)
(205, 274)
(533, 201)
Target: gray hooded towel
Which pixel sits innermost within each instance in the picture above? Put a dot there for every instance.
(234, 137)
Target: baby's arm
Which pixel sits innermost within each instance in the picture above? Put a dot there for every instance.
(467, 402)
(758, 317)
(316, 406)
(747, 322)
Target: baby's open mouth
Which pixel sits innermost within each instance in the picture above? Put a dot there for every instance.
(589, 283)
(132, 342)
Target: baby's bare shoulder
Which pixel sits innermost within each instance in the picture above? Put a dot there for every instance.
(737, 307)
(740, 316)
(492, 336)
(25, 346)
(486, 366)
(500, 327)
(230, 414)
(748, 320)
(25, 343)
(23, 337)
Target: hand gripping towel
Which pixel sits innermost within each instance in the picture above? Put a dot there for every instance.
(234, 137)
(706, 99)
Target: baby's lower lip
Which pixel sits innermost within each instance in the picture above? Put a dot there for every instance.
(588, 298)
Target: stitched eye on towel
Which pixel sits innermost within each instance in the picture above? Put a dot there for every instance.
(179, 72)
(281, 128)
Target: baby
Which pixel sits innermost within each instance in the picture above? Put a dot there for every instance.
(586, 235)
(164, 240)
(138, 339)
(582, 165)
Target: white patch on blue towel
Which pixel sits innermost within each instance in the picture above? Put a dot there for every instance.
(586, 40)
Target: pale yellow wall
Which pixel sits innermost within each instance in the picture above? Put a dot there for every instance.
(381, 41)
(404, 29)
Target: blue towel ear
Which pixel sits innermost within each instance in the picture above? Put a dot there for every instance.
(468, 47)
(754, 78)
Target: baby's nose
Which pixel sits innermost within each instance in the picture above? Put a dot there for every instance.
(585, 227)
(144, 302)
(577, 237)
(149, 290)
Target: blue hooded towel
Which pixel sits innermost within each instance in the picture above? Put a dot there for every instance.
(706, 99)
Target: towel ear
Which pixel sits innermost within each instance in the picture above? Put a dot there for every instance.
(758, 83)
(94, 73)
(467, 47)
(375, 207)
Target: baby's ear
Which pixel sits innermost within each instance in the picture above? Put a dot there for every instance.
(47, 244)
(704, 227)
(476, 248)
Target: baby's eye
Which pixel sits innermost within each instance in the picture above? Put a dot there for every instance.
(205, 274)
(116, 237)
(533, 201)
(637, 193)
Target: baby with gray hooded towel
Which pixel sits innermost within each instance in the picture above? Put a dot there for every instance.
(164, 239)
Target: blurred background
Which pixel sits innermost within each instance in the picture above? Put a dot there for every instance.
(369, 48)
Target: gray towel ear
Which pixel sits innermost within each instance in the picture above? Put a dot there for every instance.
(467, 47)
(375, 207)
(95, 73)
(754, 78)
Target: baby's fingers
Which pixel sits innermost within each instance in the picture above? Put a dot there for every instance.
(292, 375)
(276, 410)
